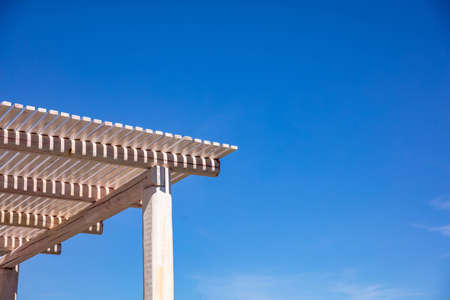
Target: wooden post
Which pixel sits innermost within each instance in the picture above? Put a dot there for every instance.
(8, 283)
(158, 237)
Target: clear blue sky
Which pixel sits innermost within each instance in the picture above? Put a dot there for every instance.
(340, 188)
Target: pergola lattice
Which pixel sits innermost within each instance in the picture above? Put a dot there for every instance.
(63, 174)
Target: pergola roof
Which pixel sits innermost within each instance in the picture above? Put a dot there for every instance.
(53, 165)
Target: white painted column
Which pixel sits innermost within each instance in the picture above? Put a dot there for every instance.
(8, 283)
(158, 237)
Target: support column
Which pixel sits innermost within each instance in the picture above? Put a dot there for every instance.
(8, 283)
(158, 237)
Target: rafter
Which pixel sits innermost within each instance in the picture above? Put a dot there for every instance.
(106, 153)
(20, 219)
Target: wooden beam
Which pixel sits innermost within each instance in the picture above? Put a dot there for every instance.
(51, 188)
(20, 219)
(113, 203)
(106, 153)
(8, 283)
(9, 243)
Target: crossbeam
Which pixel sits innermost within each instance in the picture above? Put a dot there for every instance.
(113, 203)
(112, 154)
(51, 188)
(21, 219)
(9, 243)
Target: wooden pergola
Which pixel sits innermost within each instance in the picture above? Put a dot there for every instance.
(62, 174)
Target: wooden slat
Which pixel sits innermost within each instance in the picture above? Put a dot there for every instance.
(4, 106)
(45, 122)
(227, 149)
(9, 243)
(19, 231)
(72, 126)
(131, 136)
(117, 201)
(24, 115)
(99, 131)
(13, 111)
(33, 119)
(111, 137)
(58, 123)
(79, 126)
(23, 160)
(19, 219)
(160, 142)
(41, 205)
(86, 150)
(39, 187)
(93, 125)
(65, 129)
(178, 147)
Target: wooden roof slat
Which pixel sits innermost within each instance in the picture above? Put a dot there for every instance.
(181, 144)
(12, 201)
(5, 158)
(103, 173)
(192, 147)
(132, 137)
(18, 204)
(72, 166)
(62, 124)
(47, 119)
(81, 126)
(110, 138)
(90, 127)
(72, 122)
(224, 152)
(158, 143)
(49, 206)
(210, 151)
(149, 138)
(27, 220)
(4, 106)
(117, 180)
(73, 210)
(29, 205)
(19, 232)
(23, 115)
(15, 162)
(42, 187)
(10, 243)
(81, 169)
(36, 115)
(30, 164)
(57, 125)
(47, 167)
(175, 140)
(18, 167)
(99, 131)
(10, 115)
(39, 205)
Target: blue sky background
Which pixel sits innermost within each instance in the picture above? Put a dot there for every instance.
(341, 111)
